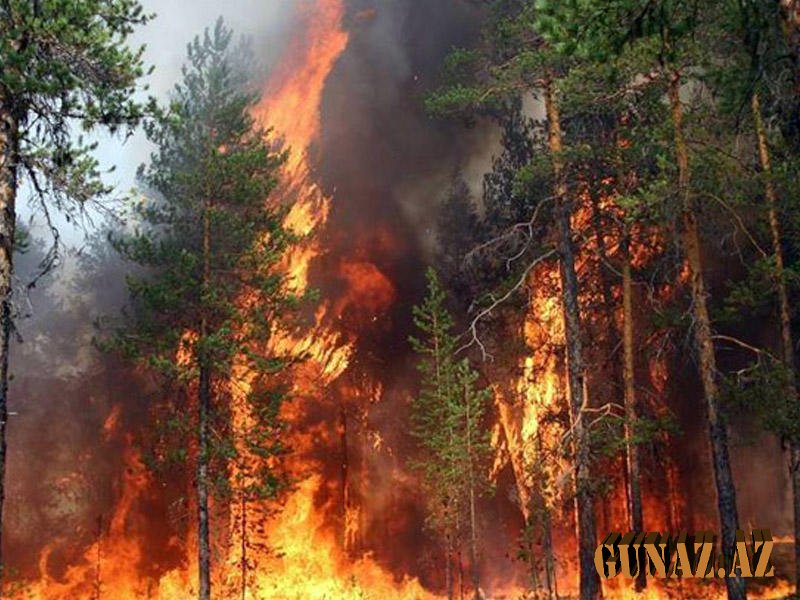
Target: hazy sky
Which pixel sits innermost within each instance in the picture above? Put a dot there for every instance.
(165, 38)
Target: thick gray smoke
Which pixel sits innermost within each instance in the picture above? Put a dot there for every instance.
(386, 162)
(388, 165)
(65, 463)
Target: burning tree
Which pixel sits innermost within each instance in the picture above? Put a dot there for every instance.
(206, 306)
(647, 152)
(601, 74)
(769, 54)
(515, 60)
(671, 43)
(62, 65)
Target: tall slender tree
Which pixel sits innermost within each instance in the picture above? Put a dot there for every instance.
(576, 375)
(65, 67)
(449, 423)
(211, 244)
(514, 60)
(602, 30)
(759, 74)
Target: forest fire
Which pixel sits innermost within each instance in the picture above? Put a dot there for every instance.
(304, 560)
(358, 517)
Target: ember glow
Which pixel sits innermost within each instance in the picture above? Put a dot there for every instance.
(305, 559)
(334, 537)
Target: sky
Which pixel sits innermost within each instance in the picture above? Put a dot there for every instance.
(165, 38)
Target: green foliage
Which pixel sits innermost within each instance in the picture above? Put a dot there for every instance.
(611, 64)
(66, 69)
(457, 229)
(448, 417)
(208, 243)
(758, 392)
(600, 30)
(509, 62)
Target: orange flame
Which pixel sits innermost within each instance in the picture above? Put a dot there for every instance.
(301, 558)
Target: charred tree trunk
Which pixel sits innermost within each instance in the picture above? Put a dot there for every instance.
(473, 525)
(589, 582)
(635, 512)
(784, 309)
(448, 567)
(9, 165)
(203, 406)
(690, 234)
(203, 542)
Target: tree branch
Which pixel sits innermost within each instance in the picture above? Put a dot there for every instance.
(473, 328)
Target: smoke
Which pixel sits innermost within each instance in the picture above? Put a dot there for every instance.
(60, 467)
(72, 405)
(387, 165)
(175, 24)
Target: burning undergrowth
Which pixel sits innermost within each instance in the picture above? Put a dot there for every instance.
(366, 172)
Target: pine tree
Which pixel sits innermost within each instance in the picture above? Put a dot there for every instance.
(435, 351)
(610, 123)
(207, 305)
(470, 451)
(515, 60)
(456, 234)
(665, 28)
(64, 67)
(448, 417)
(757, 29)
(759, 75)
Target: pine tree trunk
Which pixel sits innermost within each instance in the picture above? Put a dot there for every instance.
(726, 492)
(203, 543)
(794, 465)
(448, 567)
(635, 516)
(473, 545)
(533, 567)
(460, 575)
(243, 547)
(98, 565)
(347, 540)
(787, 339)
(589, 582)
(473, 526)
(549, 558)
(203, 405)
(547, 534)
(611, 340)
(9, 147)
(454, 533)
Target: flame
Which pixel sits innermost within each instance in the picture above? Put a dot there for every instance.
(533, 439)
(299, 555)
(294, 94)
(112, 558)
